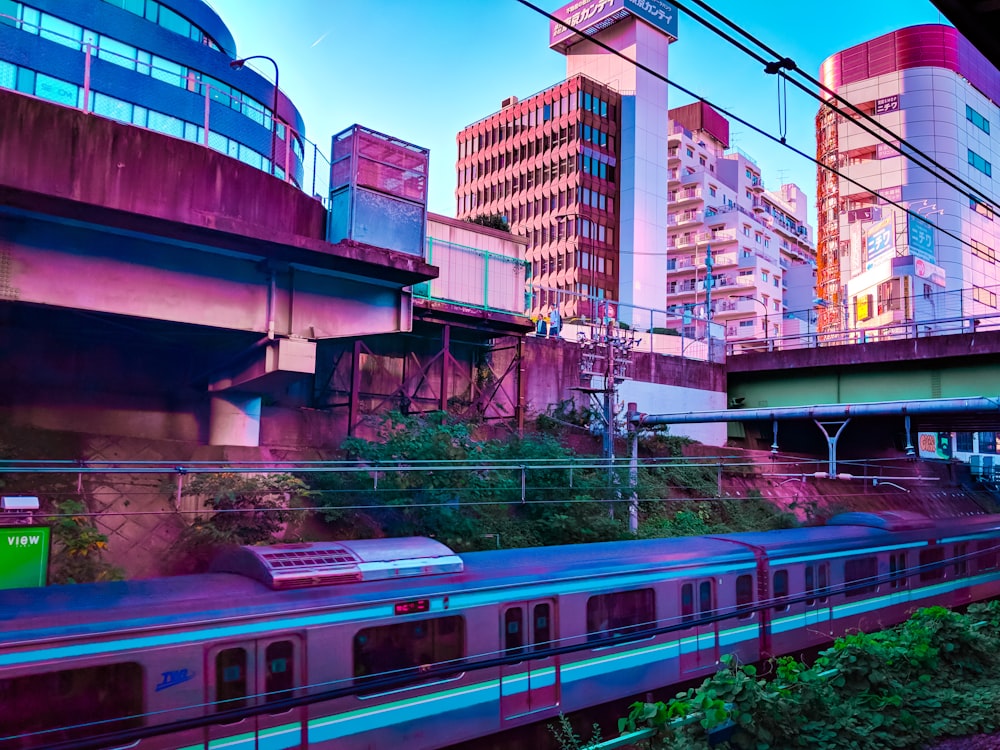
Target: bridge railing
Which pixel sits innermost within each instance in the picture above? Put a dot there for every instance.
(889, 332)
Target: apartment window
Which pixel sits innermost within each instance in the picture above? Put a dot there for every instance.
(980, 208)
(983, 250)
(984, 295)
(988, 442)
(980, 163)
(711, 191)
(690, 153)
(977, 119)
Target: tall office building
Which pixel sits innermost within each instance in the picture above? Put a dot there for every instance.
(165, 65)
(590, 163)
(879, 267)
(548, 163)
(737, 254)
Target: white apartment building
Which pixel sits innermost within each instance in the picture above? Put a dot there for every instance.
(756, 247)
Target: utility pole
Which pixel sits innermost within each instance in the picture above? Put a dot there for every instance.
(606, 353)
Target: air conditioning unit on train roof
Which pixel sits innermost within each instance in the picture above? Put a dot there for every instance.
(890, 520)
(288, 566)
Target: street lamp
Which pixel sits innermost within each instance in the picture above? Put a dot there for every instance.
(238, 65)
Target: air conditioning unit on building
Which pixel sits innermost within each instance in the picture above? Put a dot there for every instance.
(508, 101)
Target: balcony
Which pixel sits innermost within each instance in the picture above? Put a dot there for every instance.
(673, 154)
(757, 184)
(673, 176)
(718, 237)
(684, 218)
(686, 195)
(681, 241)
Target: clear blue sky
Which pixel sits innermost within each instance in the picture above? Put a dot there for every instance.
(421, 71)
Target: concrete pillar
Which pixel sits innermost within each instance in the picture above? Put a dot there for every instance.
(234, 419)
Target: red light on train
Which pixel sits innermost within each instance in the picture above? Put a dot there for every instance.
(409, 608)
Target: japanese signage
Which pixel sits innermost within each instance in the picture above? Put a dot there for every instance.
(885, 151)
(920, 238)
(591, 16)
(24, 556)
(880, 240)
(859, 214)
(887, 104)
(934, 444)
(887, 194)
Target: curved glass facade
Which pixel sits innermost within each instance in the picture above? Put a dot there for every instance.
(158, 64)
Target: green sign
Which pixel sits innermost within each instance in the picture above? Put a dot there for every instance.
(24, 556)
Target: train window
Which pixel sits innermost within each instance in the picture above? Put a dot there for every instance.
(961, 560)
(687, 602)
(230, 679)
(930, 564)
(810, 585)
(279, 675)
(817, 583)
(860, 576)
(897, 570)
(986, 555)
(823, 571)
(543, 626)
(513, 631)
(71, 704)
(744, 596)
(407, 646)
(780, 589)
(706, 606)
(620, 614)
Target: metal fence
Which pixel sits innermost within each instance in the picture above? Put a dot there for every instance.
(474, 278)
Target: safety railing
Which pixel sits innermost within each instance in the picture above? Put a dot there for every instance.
(475, 278)
(295, 159)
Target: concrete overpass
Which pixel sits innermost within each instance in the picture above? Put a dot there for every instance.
(132, 262)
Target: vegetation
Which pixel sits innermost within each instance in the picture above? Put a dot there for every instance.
(934, 676)
(245, 509)
(493, 221)
(529, 491)
(78, 547)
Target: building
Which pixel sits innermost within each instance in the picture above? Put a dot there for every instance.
(754, 246)
(880, 269)
(548, 163)
(166, 65)
(580, 168)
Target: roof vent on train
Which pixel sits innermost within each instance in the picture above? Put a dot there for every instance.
(889, 520)
(288, 566)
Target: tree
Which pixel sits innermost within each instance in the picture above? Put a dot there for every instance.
(493, 221)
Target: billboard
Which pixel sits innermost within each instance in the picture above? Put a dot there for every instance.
(934, 444)
(880, 240)
(24, 556)
(920, 238)
(591, 16)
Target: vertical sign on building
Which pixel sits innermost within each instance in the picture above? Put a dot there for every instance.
(24, 556)
(920, 238)
(879, 241)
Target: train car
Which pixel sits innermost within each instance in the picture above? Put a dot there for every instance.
(386, 643)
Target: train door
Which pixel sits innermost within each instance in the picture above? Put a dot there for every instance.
(253, 674)
(528, 629)
(699, 643)
(817, 602)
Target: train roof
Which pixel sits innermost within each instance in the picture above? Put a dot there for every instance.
(84, 608)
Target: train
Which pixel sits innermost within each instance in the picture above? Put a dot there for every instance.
(389, 643)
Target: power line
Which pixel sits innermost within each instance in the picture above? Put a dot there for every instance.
(782, 62)
(742, 121)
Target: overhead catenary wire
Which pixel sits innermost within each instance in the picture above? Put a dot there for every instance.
(781, 62)
(760, 131)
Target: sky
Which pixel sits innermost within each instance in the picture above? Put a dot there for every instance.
(421, 71)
